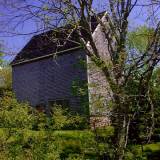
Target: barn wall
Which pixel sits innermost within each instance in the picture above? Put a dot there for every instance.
(99, 91)
(49, 79)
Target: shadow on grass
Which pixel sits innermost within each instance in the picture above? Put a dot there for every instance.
(153, 155)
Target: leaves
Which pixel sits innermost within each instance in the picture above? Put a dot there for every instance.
(14, 114)
(140, 38)
(5, 77)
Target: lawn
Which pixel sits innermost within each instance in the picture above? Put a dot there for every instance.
(73, 144)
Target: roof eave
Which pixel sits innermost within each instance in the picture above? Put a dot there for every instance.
(46, 56)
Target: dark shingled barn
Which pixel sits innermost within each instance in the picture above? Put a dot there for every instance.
(44, 72)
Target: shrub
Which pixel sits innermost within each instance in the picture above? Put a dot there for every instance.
(145, 152)
(27, 144)
(63, 119)
(14, 114)
(28, 134)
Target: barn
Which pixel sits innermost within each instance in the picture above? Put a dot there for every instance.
(51, 69)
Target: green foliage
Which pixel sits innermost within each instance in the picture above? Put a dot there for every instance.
(155, 95)
(80, 89)
(145, 152)
(14, 114)
(63, 119)
(28, 134)
(140, 126)
(106, 132)
(20, 115)
(142, 121)
(1, 56)
(140, 38)
(5, 79)
(21, 144)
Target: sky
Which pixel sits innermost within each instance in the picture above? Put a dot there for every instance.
(13, 44)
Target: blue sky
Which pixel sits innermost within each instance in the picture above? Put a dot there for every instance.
(15, 43)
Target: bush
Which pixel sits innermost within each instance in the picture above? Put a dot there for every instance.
(23, 144)
(21, 115)
(14, 114)
(5, 80)
(63, 119)
(145, 152)
(26, 133)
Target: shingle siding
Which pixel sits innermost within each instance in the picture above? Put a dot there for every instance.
(99, 90)
(49, 79)
(26, 82)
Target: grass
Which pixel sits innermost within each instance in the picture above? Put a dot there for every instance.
(65, 143)
(152, 147)
(145, 152)
(20, 142)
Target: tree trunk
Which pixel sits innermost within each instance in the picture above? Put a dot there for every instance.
(122, 124)
(121, 139)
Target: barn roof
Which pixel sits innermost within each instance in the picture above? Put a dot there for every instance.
(48, 43)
